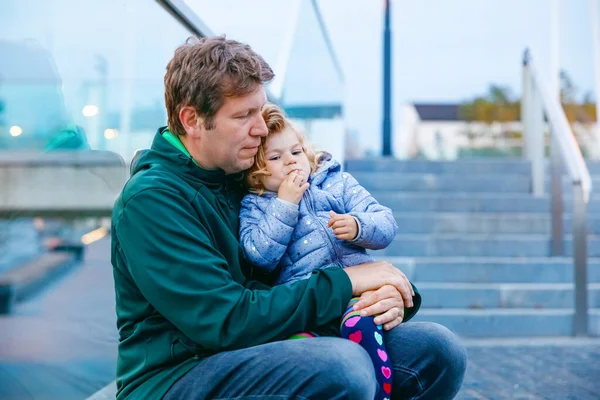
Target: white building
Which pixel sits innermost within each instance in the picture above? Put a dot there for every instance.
(437, 132)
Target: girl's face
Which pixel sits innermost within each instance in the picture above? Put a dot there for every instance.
(284, 154)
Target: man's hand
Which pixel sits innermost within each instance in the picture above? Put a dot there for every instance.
(293, 187)
(344, 226)
(386, 302)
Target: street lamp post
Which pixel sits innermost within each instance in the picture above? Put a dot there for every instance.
(387, 83)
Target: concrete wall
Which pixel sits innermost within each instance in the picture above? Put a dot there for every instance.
(67, 183)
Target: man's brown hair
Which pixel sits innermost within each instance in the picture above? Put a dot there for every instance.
(204, 71)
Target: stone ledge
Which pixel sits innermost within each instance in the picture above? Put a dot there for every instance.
(24, 280)
(60, 184)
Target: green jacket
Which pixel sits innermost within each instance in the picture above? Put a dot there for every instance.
(180, 280)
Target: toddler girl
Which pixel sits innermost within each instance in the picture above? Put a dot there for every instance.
(302, 214)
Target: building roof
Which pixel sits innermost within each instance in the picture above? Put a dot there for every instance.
(438, 112)
(429, 112)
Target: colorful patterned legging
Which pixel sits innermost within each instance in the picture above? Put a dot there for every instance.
(363, 331)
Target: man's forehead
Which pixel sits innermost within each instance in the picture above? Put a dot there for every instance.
(255, 99)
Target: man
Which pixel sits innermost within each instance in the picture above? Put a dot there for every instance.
(191, 324)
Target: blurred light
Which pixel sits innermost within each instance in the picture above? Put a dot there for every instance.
(111, 133)
(39, 224)
(94, 235)
(90, 110)
(15, 130)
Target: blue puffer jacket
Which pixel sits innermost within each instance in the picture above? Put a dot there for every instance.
(296, 239)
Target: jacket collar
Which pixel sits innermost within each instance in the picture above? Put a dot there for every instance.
(168, 151)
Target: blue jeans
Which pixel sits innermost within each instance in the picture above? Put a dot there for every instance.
(428, 362)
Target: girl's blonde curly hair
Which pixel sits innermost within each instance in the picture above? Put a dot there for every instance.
(277, 122)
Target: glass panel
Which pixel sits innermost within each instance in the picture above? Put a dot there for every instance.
(307, 82)
(264, 33)
(79, 84)
(75, 77)
(294, 45)
(311, 77)
(313, 87)
(107, 77)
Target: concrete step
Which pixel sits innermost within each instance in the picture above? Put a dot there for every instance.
(525, 223)
(514, 322)
(472, 202)
(471, 166)
(476, 183)
(482, 166)
(492, 270)
(473, 245)
(504, 295)
(394, 181)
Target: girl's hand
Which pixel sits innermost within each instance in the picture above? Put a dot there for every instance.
(344, 226)
(293, 187)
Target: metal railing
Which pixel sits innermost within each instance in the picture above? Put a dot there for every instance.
(565, 154)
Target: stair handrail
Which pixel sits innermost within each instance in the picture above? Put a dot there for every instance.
(538, 100)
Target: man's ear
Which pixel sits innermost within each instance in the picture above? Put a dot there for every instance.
(191, 121)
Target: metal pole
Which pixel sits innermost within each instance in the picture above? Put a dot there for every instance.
(537, 140)
(557, 209)
(387, 83)
(555, 47)
(532, 117)
(580, 321)
(525, 107)
(555, 156)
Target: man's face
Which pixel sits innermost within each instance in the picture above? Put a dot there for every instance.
(238, 127)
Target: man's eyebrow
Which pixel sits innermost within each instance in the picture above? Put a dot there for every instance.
(247, 109)
(259, 108)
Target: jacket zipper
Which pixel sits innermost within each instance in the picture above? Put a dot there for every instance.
(313, 213)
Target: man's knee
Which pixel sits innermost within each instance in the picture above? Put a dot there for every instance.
(347, 366)
(448, 355)
(429, 360)
(451, 353)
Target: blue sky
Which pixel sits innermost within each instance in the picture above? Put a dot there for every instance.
(448, 51)
(444, 51)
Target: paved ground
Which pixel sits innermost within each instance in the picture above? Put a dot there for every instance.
(61, 345)
(535, 369)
